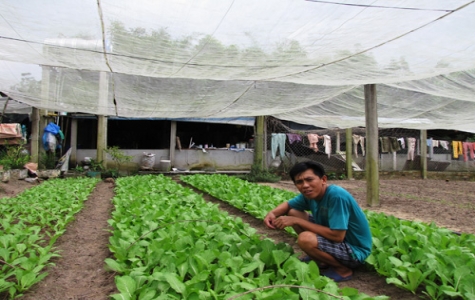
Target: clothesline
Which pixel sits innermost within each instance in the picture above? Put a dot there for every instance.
(388, 144)
(278, 142)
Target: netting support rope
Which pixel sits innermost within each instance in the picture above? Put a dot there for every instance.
(101, 17)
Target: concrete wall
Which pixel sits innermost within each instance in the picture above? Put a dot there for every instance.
(189, 159)
(387, 162)
(223, 159)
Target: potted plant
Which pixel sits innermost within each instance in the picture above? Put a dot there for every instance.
(47, 160)
(119, 157)
(14, 158)
(77, 171)
(47, 165)
(95, 168)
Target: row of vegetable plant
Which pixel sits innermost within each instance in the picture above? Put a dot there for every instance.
(169, 243)
(30, 223)
(411, 255)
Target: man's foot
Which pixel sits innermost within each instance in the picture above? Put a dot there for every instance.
(322, 266)
(331, 273)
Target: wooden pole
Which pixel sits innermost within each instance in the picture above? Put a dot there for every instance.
(259, 141)
(431, 148)
(101, 119)
(372, 166)
(349, 156)
(74, 142)
(35, 135)
(172, 142)
(266, 146)
(4, 109)
(101, 140)
(337, 150)
(423, 149)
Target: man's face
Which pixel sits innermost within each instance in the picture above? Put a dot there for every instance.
(310, 185)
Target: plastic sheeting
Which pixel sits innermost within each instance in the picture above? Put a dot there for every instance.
(302, 61)
(52, 137)
(245, 121)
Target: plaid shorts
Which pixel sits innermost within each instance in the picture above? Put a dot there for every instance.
(340, 251)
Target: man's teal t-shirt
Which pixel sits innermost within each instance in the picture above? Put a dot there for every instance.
(339, 210)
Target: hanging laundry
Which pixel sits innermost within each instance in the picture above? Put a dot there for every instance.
(294, 137)
(384, 144)
(457, 148)
(389, 144)
(358, 140)
(444, 144)
(327, 142)
(24, 132)
(411, 147)
(313, 140)
(278, 142)
(429, 142)
(402, 142)
(393, 145)
(467, 147)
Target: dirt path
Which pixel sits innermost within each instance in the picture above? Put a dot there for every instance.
(79, 273)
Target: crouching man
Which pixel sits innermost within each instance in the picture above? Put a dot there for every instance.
(336, 234)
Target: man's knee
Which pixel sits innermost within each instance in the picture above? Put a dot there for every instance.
(307, 239)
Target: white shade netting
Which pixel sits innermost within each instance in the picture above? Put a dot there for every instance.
(303, 61)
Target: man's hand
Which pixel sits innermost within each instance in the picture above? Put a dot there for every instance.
(269, 220)
(285, 221)
(281, 210)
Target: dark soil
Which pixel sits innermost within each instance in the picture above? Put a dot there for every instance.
(80, 273)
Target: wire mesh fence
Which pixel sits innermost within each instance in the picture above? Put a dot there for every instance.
(399, 149)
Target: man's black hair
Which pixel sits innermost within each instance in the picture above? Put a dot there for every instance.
(304, 166)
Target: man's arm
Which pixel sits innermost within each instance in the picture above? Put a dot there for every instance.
(330, 234)
(280, 210)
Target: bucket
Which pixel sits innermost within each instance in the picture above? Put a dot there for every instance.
(93, 174)
(165, 165)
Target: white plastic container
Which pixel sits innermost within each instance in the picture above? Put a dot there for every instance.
(165, 165)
